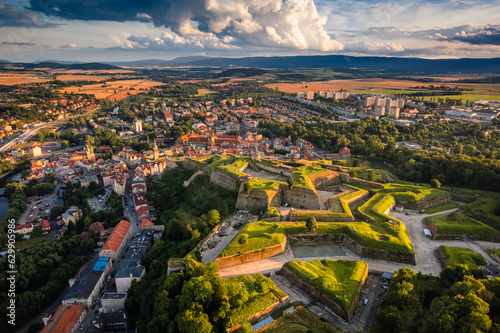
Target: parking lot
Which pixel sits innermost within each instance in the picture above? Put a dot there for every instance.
(100, 202)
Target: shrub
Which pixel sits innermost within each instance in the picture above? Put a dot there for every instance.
(435, 183)
(243, 239)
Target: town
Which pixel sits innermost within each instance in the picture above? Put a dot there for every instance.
(276, 190)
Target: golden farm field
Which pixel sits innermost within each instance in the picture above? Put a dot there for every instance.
(376, 84)
(114, 90)
(10, 79)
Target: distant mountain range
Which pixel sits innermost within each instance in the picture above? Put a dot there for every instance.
(47, 64)
(385, 64)
(409, 65)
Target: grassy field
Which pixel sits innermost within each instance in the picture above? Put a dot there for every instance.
(486, 209)
(460, 224)
(262, 293)
(460, 255)
(234, 167)
(467, 97)
(339, 280)
(300, 321)
(264, 185)
(442, 208)
(385, 91)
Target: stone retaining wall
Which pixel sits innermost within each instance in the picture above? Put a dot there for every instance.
(193, 165)
(250, 256)
(224, 180)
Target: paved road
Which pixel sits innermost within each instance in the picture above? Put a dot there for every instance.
(32, 132)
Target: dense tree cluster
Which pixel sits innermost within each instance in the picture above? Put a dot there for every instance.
(43, 272)
(458, 301)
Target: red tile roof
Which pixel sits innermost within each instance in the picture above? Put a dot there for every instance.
(64, 320)
(145, 223)
(116, 238)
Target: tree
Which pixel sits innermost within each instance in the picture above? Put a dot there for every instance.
(311, 224)
(56, 211)
(213, 218)
(247, 187)
(435, 183)
(353, 174)
(194, 321)
(372, 176)
(390, 319)
(291, 183)
(245, 326)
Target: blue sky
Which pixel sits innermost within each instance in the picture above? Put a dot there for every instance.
(120, 30)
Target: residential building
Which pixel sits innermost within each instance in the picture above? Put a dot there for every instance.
(23, 228)
(85, 288)
(45, 225)
(131, 267)
(116, 243)
(137, 126)
(35, 150)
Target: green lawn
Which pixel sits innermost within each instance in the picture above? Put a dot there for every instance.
(262, 293)
(460, 255)
(460, 224)
(339, 280)
(300, 321)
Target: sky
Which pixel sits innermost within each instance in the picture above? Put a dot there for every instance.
(124, 30)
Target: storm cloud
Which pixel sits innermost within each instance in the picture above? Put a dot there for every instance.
(294, 24)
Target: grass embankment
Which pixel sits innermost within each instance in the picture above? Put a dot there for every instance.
(235, 167)
(264, 185)
(458, 224)
(442, 207)
(300, 321)
(262, 293)
(301, 178)
(411, 193)
(486, 209)
(339, 280)
(339, 207)
(389, 237)
(220, 160)
(459, 255)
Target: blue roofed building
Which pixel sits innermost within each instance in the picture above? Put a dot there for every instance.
(86, 286)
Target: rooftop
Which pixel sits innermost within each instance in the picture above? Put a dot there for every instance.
(64, 319)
